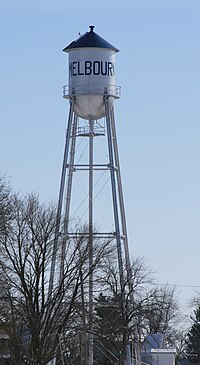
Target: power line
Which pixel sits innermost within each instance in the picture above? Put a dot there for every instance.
(179, 285)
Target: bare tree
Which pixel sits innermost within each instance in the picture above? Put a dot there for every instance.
(148, 309)
(38, 324)
(114, 331)
(5, 204)
(34, 320)
(162, 313)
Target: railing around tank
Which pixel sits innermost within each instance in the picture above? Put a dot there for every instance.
(86, 131)
(111, 90)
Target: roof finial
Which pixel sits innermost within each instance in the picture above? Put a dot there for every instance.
(91, 28)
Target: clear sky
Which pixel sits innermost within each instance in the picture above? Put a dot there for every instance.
(157, 116)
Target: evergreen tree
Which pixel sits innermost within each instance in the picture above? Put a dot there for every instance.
(193, 342)
(108, 330)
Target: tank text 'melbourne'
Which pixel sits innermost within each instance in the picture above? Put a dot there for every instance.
(103, 68)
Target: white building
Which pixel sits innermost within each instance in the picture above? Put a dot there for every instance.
(163, 356)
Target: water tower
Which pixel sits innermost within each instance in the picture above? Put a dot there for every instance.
(91, 93)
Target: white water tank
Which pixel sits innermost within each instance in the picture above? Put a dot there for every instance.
(91, 75)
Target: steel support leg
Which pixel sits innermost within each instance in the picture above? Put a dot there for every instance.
(114, 193)
(117, 207)
(121, 199)
(70, 168)
(91, 157)
(60, 200)
(124, 232)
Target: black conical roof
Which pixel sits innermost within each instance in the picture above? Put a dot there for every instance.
(90, 39)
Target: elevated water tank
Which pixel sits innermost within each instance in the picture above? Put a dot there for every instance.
(91, 75)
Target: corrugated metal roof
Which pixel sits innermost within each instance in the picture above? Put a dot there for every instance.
(90, 40)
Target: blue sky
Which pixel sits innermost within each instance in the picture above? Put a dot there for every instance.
(157, 116)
